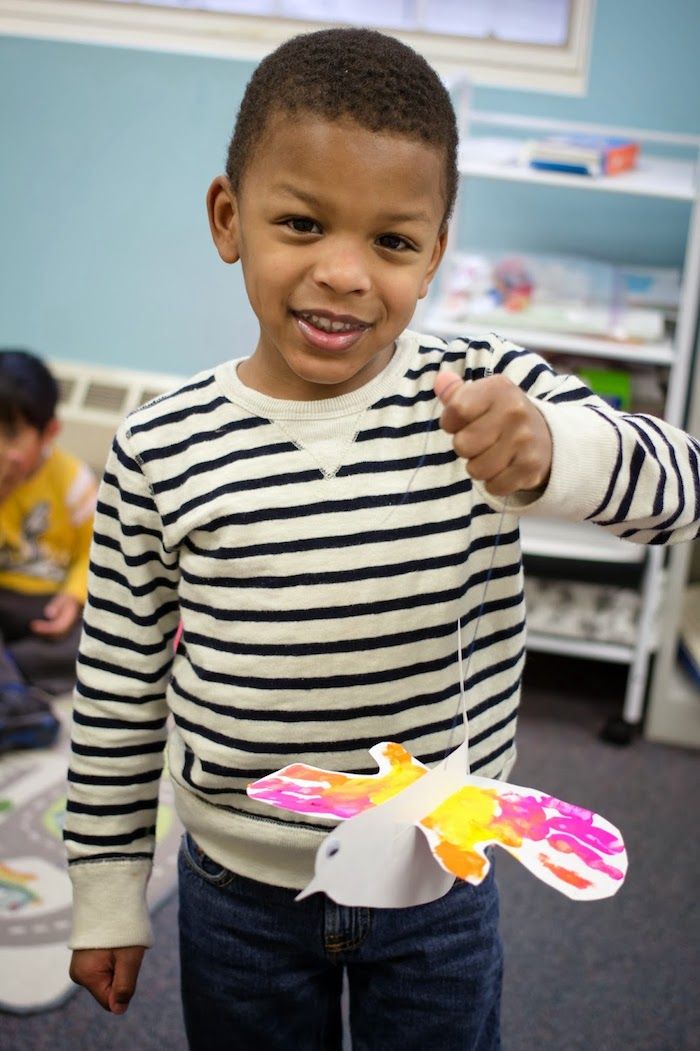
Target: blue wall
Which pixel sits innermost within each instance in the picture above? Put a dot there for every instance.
(107, 154)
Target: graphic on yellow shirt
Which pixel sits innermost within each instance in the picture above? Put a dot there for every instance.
(27, 556)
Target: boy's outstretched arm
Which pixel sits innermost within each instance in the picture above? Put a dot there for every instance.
(109, 974)
(545, 442)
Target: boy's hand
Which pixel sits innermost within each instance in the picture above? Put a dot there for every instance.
(109, 974)
(498, 431)
(60, 613)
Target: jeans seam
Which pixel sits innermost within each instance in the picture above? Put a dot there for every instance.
(335, 943)
(223, 880)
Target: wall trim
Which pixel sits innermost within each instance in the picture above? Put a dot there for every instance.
(562, 70)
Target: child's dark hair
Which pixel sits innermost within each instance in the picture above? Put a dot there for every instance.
(28, 391)
(360, 74)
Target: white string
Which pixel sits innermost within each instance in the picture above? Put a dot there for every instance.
(464, 671)
(462, 694)
(420, 463)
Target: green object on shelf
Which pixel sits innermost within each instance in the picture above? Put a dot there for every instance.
(611, 385)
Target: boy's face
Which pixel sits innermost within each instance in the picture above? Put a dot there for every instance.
(339, 231)
(22, 450)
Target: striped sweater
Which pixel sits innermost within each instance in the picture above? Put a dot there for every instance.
(318, 555)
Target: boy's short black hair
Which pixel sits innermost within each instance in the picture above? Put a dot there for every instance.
(28, 391)
(359, 74)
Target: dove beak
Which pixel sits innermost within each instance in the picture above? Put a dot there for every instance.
(309, 889)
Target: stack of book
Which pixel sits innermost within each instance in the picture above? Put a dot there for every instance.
(581, 154)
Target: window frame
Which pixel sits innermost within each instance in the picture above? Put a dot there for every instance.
(563, 70)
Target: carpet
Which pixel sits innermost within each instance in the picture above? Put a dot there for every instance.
(35, 891)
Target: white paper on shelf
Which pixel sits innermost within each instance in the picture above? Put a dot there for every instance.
(559, 293)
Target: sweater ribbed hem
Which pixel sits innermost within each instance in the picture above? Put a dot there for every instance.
(109, 909)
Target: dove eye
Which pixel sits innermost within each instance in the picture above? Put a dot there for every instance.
(333, 848)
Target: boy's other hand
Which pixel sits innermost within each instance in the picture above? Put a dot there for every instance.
(498, 430)
(109, 974)
(60, 614)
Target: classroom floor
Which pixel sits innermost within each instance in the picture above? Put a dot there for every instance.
(616, 975)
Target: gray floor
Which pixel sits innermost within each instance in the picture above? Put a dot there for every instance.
(617, 975)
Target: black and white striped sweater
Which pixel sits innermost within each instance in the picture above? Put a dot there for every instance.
(319, 555)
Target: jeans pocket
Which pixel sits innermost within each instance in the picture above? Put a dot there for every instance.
(202, 865)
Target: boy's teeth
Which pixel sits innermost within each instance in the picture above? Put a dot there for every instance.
(327, 325)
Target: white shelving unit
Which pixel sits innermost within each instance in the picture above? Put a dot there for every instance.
(668, 168)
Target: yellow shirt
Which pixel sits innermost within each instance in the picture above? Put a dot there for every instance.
(46, 529)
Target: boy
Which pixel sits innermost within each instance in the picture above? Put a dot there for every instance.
(47, 500)
(309, 517)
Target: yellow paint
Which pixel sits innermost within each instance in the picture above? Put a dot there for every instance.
(402, 773)
(462, 822)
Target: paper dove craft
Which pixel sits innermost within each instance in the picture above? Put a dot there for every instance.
(409, 830)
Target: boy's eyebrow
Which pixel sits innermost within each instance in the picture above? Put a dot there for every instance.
(314, 202)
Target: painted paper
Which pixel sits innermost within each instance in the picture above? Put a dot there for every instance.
(377, 857)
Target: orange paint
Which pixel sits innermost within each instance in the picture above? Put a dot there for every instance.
(565, 874)
(466, 864)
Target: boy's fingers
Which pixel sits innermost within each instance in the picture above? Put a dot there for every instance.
(127, 964)
(445, 383)
(59, 616)
(108, 974)
(464, 400)
(93, 969)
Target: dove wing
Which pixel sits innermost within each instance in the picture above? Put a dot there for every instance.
(574, 850)
(327, 793)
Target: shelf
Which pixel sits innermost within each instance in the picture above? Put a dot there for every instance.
(598, 621)
(580, 618)
(654, 176)
(580, 541)
(591, 649)
(564, 342)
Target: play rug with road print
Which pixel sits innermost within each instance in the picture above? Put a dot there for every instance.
(35, 892)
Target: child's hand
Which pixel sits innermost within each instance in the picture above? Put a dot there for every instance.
(498, 431)
(60, 613)
(109, 974)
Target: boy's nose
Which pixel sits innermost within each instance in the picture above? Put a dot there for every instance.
(344, 269)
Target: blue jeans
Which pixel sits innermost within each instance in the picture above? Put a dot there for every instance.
(261, 972)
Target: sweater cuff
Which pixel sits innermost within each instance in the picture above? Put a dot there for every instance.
(584, 452)
(109, 904)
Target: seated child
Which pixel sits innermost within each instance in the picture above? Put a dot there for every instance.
(47, 501)
(319, 515)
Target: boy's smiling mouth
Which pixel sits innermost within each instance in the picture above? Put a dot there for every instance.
(327, 331)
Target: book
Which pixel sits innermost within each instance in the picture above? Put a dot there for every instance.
(582, 154)
(612, 385)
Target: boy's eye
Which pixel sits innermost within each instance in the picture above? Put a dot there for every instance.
(395, 243)
(303, 225)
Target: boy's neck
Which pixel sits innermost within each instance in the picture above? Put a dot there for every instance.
(285, 385)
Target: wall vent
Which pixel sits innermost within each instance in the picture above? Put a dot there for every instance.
(66, 386)
(93, 400)
(107, 396)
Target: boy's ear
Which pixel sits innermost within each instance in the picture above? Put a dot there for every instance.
(222, 209)
(438, 253)
(51, 430)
